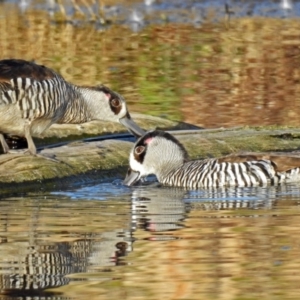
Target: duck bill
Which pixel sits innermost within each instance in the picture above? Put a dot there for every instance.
(132, 127)
(131, 177)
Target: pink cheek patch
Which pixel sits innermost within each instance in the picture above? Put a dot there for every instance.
(148, 140)
(108, 95)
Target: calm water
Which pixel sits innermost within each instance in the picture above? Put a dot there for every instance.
(150, 242)
(195, 61)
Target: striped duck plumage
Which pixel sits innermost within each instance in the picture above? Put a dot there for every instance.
(161, 154)
(32, 97)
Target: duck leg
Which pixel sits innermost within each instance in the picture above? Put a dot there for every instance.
(30, 143)
(4, 144)
(31, 146)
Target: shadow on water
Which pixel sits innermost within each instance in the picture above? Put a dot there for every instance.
(107, 232)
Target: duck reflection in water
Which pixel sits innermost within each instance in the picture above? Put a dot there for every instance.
(156, 213)
(158, 209)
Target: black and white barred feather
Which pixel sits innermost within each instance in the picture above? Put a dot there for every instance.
(37, 99)
(33, 97)
(211, 173)
(159, 153)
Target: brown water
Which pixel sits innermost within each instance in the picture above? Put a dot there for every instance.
(243, 71)
(107, 241)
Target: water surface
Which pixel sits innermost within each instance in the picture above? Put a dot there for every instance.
(201, 62)
(239, 65)
(152, 242)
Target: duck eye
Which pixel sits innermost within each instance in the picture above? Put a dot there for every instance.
(115, 102)
(140, 149)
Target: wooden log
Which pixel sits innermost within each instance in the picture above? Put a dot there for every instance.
(84, 161)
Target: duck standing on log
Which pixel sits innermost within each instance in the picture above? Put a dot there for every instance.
(33, 97)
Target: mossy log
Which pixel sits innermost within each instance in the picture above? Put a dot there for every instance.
(82, 161)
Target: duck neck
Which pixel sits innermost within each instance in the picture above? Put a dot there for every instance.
(169, 173)
(76, 106)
